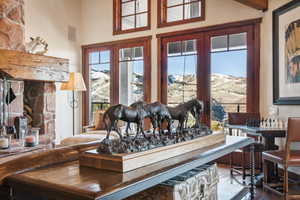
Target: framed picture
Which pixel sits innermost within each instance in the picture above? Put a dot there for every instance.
(286, 54)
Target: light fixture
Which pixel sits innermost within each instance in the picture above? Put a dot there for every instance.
(75, 84)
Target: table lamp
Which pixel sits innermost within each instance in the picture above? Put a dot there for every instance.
(75, 84)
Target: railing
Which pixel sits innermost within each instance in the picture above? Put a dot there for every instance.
(228, 107)
(100, 105)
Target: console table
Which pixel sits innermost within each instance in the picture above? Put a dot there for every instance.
(70, 181)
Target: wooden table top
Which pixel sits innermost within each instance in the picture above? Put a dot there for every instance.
(258, 131)
(70, 181)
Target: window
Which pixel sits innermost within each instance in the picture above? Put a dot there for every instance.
(182, 68)
(228, 75)
(116, 72)
(131, 15)
(131, 75)
(100, 75)
(174, 12)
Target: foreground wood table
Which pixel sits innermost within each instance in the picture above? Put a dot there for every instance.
(69, 181)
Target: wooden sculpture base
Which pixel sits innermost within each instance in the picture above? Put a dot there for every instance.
(131, 161)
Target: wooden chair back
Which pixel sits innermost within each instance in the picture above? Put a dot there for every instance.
(293, 134)
(241, 118)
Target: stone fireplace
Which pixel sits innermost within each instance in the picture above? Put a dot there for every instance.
(32, 77)
(34, 100)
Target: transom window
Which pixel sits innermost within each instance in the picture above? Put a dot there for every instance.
(173, 12)
(131, 15)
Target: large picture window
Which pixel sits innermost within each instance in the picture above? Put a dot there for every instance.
(174, 12)
(116, 72)
(131, 15)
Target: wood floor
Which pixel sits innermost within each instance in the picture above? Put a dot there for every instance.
(228, 187)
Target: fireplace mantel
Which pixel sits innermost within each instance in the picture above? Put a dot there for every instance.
(24, 66)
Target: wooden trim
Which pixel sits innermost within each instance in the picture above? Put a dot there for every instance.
(162, 15)
(203, 34)
(114, 47)
(117, 23)
(116, 42)
(210, 28)
(257, 4)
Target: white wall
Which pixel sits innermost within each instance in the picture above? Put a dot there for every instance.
(50, 19)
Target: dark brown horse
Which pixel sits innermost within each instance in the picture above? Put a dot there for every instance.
(180, 112)
(124, 113)
(157, 113)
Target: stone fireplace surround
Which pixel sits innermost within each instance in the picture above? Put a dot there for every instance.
(39, 97)
(32, 77)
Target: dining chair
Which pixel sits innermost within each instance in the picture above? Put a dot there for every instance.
(285, 158)
(241, 119)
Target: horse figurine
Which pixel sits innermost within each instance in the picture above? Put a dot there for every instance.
(157, 113)
(124, 113)
(181, 112)
(135, 105)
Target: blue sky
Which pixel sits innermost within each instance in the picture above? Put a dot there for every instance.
(229, 63)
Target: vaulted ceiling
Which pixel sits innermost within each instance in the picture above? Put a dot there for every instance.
(257, 4)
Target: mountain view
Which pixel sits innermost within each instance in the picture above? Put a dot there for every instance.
(226, 91)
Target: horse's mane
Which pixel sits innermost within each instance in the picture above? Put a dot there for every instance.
(185, 104)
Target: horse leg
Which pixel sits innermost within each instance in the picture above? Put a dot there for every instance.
(108, 129)
(169, 125)
(117, 129)
(160, 125)
(127, 128)
(142, 128)
(137, 131)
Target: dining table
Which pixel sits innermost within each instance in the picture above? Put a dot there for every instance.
(268, 135)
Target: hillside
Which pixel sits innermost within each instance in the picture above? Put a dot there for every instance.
(225, 88)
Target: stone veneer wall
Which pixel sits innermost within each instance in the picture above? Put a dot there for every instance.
(40, 97)
(12, 28)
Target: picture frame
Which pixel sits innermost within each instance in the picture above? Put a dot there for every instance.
(286, 54)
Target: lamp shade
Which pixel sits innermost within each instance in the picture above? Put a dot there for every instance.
(75, 83)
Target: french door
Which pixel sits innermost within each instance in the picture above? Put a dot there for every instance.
(217, 67)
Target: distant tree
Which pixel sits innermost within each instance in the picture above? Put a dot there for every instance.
(171, 79)
(218, 111)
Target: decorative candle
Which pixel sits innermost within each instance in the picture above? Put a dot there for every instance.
(4, 143)
(30, 141)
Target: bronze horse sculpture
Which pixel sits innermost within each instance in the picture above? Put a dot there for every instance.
(157, 113)
(124, 113)
(180, 112)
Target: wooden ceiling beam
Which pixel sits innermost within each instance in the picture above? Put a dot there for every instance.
(257, 4)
